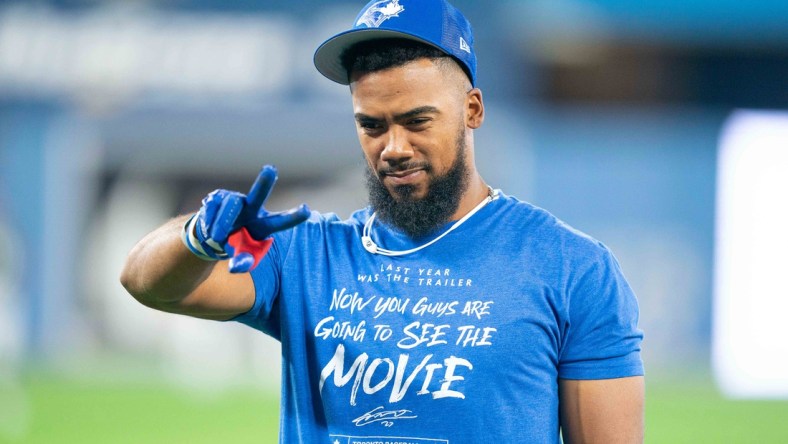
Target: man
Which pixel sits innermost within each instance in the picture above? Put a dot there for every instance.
(446, 312)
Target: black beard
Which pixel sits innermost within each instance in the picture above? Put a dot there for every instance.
(420, 217)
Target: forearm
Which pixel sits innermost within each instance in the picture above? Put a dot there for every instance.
(160, 271)
(164, 273)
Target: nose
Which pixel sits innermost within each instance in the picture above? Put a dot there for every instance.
(398, 147)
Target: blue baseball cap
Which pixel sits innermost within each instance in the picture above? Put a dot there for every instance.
(434, 22)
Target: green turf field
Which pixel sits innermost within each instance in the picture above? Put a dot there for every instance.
(61, 410)
(67, 411)
(694, 412)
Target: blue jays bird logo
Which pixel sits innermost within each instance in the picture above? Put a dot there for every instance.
(379, 12)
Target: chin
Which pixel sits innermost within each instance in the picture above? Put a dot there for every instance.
(407, 193)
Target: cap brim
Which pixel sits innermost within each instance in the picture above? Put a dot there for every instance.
(328, 56)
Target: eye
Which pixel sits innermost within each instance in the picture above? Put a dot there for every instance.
(418, 121)
(371, 127)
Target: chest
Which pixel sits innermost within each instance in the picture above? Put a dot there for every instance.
(398, 329)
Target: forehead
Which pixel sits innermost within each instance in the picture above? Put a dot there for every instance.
(416, 83)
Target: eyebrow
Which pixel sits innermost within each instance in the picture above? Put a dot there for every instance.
(403, 116)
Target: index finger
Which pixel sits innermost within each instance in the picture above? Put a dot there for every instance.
(261, 188)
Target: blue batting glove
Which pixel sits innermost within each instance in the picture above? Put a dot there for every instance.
(225, 214)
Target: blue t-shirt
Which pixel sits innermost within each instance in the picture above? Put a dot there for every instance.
(461, 342)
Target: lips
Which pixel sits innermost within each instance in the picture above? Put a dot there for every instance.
(402, 169)
(404, 177)
(402, 173)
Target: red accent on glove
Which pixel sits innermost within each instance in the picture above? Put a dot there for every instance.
(243, 242)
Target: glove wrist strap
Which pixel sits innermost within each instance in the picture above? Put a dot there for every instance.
(201, 249)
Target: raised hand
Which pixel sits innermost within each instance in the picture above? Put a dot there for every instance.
(242, 221)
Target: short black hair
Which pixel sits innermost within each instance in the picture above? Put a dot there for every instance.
(379, 54)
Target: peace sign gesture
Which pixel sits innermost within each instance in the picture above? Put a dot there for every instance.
(240, 220)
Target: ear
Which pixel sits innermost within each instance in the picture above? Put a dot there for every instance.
(474, 108)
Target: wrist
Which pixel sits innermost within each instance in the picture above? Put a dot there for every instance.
(200, 248)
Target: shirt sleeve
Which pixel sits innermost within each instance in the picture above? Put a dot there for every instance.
(602, 339)
(264, 314)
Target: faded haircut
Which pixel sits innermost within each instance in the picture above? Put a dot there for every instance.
(380, 54)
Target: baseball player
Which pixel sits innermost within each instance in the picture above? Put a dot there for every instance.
(444, 312)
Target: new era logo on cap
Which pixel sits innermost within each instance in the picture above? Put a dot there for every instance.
(433, 22)
(464, 45)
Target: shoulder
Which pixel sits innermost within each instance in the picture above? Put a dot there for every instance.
(539, 227)
(554, 250)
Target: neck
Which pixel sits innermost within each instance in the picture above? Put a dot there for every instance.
(477, 191)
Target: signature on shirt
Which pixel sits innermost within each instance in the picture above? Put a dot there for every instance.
(385, 418)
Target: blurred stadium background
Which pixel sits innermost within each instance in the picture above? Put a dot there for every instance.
(116, 115)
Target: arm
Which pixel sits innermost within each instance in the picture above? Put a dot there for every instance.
(177, 273)
(161, 273)
(602, 411)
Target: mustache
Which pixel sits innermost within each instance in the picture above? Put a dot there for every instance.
(404, 166)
